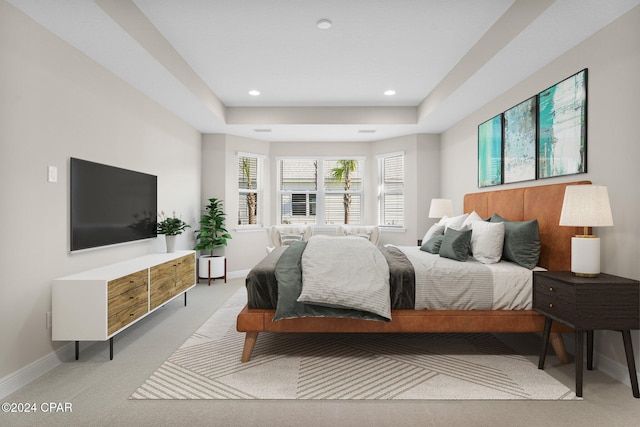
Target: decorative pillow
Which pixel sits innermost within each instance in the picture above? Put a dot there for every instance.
(456, 244)
(473, 217)
(433, 244)
(521, 241)
(455, 222)
(287, 239)
(487, 240)
(372, 233)
(435, 230)
(364, 235)
(285, 235)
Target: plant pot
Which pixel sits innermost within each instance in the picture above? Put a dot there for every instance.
(171, 243)
(212, 267)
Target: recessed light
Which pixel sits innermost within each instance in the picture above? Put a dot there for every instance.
(367, 131)
(262, 130)
(324, 24)
(390, 92)
(254, 92)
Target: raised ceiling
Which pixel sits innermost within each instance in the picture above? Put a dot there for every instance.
(444, 58)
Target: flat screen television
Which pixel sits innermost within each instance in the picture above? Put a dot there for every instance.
(110, 205)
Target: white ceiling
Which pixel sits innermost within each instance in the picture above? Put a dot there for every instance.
(444, 58)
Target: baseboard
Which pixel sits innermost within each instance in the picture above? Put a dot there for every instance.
(612, 368)
(33, 370)
(607, 365)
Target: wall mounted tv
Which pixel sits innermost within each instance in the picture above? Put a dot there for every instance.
(110, 205)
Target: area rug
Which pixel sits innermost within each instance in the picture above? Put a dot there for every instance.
(345, 366)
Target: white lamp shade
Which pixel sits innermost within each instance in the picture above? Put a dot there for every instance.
(586, 206)
(440, 207)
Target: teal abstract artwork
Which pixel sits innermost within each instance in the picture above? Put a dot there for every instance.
(490, 152)
(562, 123)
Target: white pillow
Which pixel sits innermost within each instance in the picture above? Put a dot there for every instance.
(287, 239)
(487, 240)
(435, 230)
(455, 222)
(473, 217)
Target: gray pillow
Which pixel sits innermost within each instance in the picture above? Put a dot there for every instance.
(432, 245)
(521, 241)
(456, 244)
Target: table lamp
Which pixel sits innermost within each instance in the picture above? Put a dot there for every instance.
(440, 208)
(586, 206)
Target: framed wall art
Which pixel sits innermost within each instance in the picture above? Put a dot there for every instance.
(519, 154)
(562, 127)
(490, 152)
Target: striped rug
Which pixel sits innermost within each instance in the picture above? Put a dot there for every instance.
(345, 366)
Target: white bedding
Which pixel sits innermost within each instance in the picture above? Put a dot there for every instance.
(468, 285)
(345, 272)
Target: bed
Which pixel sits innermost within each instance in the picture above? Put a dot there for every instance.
(542, 203)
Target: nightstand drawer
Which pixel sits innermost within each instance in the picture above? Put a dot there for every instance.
(554, 298)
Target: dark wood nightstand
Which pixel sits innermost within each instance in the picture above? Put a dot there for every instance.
(586, 304)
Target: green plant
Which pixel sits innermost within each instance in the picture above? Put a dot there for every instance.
(212, 233)
(342, 173)
(251, 197)
(171, 226)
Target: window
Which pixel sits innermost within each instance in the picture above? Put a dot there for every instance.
(391, 190)
(249, 188)
(320, 191)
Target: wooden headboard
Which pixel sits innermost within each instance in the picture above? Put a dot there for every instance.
(543, 203)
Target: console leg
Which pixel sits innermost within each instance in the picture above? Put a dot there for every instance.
(185, 299)
(111, 348)
(77, 350)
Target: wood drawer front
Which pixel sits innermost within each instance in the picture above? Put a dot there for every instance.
(128, 300)
(127, 286)
(128, 314)
(186, 272)
(556, 299)
(162, 286)
(170, 279)
(163, 294)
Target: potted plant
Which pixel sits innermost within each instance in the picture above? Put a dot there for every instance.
(170, 227)
(212, 235)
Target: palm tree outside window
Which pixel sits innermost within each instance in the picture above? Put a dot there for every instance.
(249, 170)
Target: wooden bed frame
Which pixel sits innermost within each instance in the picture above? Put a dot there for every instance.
(543, 203)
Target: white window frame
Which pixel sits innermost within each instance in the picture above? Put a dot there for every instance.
(259, 191)
(381, 190)
(320, 188)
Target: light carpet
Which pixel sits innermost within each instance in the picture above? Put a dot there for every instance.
(345, 366)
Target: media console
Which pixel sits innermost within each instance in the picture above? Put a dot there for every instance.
(97, 304)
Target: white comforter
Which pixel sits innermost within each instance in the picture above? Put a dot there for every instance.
(444, 284)
(345, 272)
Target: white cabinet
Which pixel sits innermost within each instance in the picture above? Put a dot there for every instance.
(95, 305)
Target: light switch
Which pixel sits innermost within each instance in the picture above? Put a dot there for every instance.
(52, 174)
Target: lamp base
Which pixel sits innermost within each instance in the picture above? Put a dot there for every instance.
(585, 274)
(585, 256)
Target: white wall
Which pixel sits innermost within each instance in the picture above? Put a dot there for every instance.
(613, 146)
(57, 104)
(220, 180)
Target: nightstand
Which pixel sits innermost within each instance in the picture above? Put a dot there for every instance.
(587, 304)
